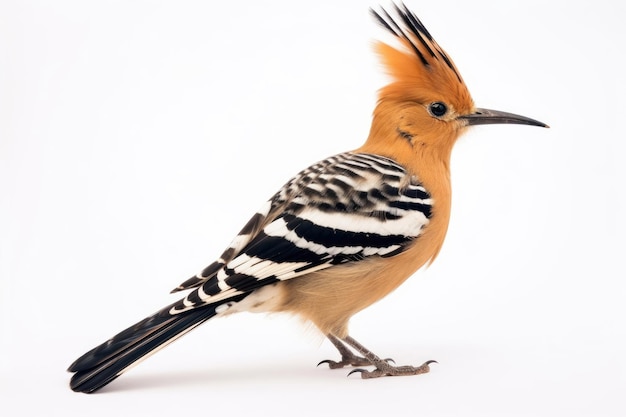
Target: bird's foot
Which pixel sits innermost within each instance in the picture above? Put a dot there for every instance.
(383, 368)
(350, 359)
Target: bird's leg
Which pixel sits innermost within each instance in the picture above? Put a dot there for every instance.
(348, 358)
(383, 367)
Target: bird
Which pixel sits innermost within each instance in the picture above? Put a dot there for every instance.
(344, 232)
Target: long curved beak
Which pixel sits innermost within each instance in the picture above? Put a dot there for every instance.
(492, 117)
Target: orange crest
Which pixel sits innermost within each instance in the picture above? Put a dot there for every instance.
(421, 69)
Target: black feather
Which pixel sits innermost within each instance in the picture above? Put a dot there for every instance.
(106, 362)
(414, 25)
(390, 24)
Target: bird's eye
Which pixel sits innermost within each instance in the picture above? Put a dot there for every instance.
(438, 109)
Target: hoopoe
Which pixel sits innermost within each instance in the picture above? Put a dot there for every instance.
(344, 232)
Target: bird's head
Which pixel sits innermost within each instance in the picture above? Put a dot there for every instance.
(427, 104)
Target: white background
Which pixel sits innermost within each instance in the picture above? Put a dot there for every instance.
(137, 137)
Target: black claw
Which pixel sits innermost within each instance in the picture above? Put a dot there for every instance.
(430, 361)
(356, 370)
(328, 361)
(389, 360)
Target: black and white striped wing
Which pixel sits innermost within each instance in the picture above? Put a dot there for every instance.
(245, 235)
(343, 209)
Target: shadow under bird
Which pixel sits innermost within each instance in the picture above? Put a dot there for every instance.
(344, 232)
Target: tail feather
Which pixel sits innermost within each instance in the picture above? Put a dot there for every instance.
(104, 363)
